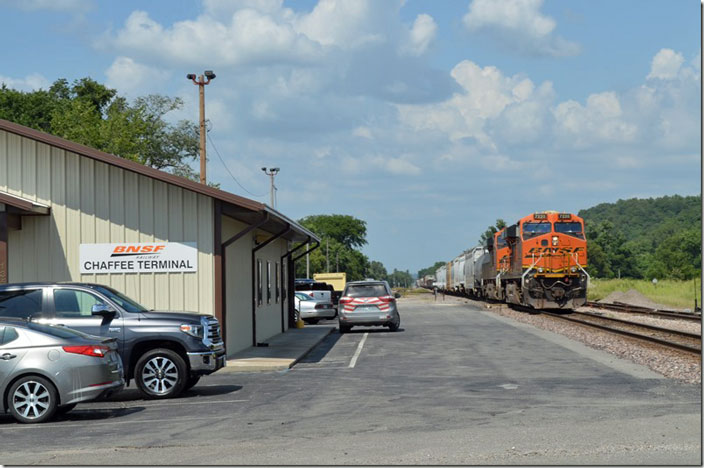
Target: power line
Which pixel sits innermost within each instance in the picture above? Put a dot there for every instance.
(228, 170)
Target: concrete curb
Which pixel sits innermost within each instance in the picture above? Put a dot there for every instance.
(258, 359)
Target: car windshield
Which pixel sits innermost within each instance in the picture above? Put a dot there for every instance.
(366, 290)
(303, 297)
(59, 332)
(535, 229)
(120, 299)
(573, 229)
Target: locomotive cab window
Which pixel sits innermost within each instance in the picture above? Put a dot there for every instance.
(573, 229)
(531, 230)
(501, 240)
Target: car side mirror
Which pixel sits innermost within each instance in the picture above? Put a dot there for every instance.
(102, 310)
(397, 295)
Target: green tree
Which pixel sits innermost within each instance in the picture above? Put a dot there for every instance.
(491, 230)
(430, 270)
(377, 271)
(400, 279)
(347, 230)
(94, 115)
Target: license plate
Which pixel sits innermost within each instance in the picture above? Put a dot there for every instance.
(367, 308)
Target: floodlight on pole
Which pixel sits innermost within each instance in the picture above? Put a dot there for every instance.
(201, 82)
(271, 172)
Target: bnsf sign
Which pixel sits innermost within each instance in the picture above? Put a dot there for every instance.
(125, 250)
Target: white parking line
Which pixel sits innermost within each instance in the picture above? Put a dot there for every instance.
(359, 350)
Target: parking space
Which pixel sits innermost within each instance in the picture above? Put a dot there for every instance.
(453, 385)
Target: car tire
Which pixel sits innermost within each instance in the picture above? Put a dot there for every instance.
(394, 326)
(161, 373)
(344, 328)
(32, 399)
(311, 321)
(191, 382)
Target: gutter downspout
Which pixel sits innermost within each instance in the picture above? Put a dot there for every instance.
(290, 290)
(254, 273)
(223, 273)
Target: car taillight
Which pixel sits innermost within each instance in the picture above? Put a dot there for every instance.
(387, 299)
(345, 300)
(95, 350)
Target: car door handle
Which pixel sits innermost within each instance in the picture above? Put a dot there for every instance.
(8, 356)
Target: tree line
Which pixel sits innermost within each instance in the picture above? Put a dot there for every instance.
(342, 237)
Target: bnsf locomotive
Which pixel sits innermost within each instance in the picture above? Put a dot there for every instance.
(539, 262)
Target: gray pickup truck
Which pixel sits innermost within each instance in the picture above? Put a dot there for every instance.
(164, 352)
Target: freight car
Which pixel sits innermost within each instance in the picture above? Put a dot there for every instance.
(539, 262)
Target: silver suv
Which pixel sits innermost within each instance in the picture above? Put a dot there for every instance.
(368, 303)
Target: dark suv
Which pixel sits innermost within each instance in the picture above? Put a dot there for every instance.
(164, 352)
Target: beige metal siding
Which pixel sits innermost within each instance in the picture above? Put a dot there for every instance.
(93, 202)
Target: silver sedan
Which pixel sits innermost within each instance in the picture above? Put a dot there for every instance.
(47, 369)
(312, 310)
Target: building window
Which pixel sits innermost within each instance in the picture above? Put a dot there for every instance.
(283, 281)
(259, 282)
(268, 282)
(276, 282)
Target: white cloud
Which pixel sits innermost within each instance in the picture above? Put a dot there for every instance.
(31, 82)
(363, 132)
(520, 24)
(666, 64)
(134, 78)
(600, 121)
(421, 35)
(401, 166)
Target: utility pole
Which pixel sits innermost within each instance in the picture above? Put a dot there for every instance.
(327, 255)
(201, 85)
(271, 173)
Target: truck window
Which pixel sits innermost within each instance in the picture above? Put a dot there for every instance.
(21, 303)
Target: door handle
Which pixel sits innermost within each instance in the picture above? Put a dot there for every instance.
(8, 356)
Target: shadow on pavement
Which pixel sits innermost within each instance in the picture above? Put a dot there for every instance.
(79, 414)
(133, 394)
(321, 350)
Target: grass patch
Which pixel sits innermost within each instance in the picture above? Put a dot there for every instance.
(673, 293)
(412, 291)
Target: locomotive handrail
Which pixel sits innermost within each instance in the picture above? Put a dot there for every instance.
(523, 276)
(574, 255)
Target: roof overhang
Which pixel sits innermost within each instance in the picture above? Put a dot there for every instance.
(23, 206)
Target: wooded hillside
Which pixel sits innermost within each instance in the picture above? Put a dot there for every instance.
(645, 238)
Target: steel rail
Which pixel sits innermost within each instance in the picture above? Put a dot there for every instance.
(641, 325)
(619, 307)
(669, 344)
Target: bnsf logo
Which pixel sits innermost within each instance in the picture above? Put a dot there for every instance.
(124, 250)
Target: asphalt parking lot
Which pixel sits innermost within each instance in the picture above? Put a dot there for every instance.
(456, 385)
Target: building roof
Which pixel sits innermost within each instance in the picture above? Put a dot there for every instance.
(240, 208)
(23, 206)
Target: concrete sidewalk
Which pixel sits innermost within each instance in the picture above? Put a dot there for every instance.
(284, 350)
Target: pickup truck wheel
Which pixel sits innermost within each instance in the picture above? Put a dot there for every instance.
(161, 373)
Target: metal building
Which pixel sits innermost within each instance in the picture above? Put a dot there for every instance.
(73, 213)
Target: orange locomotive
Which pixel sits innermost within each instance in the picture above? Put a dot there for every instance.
(539, 262)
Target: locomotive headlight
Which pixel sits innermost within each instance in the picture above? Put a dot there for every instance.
(554, 240)
(540, 269)
(573, 269)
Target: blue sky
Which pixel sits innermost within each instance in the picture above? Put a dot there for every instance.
(427, 119)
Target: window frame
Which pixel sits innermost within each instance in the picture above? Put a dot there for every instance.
(95, 294)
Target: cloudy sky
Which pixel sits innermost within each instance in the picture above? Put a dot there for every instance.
(427, 119)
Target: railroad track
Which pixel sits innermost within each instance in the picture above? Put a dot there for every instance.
(672, 314)
(683, 341)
